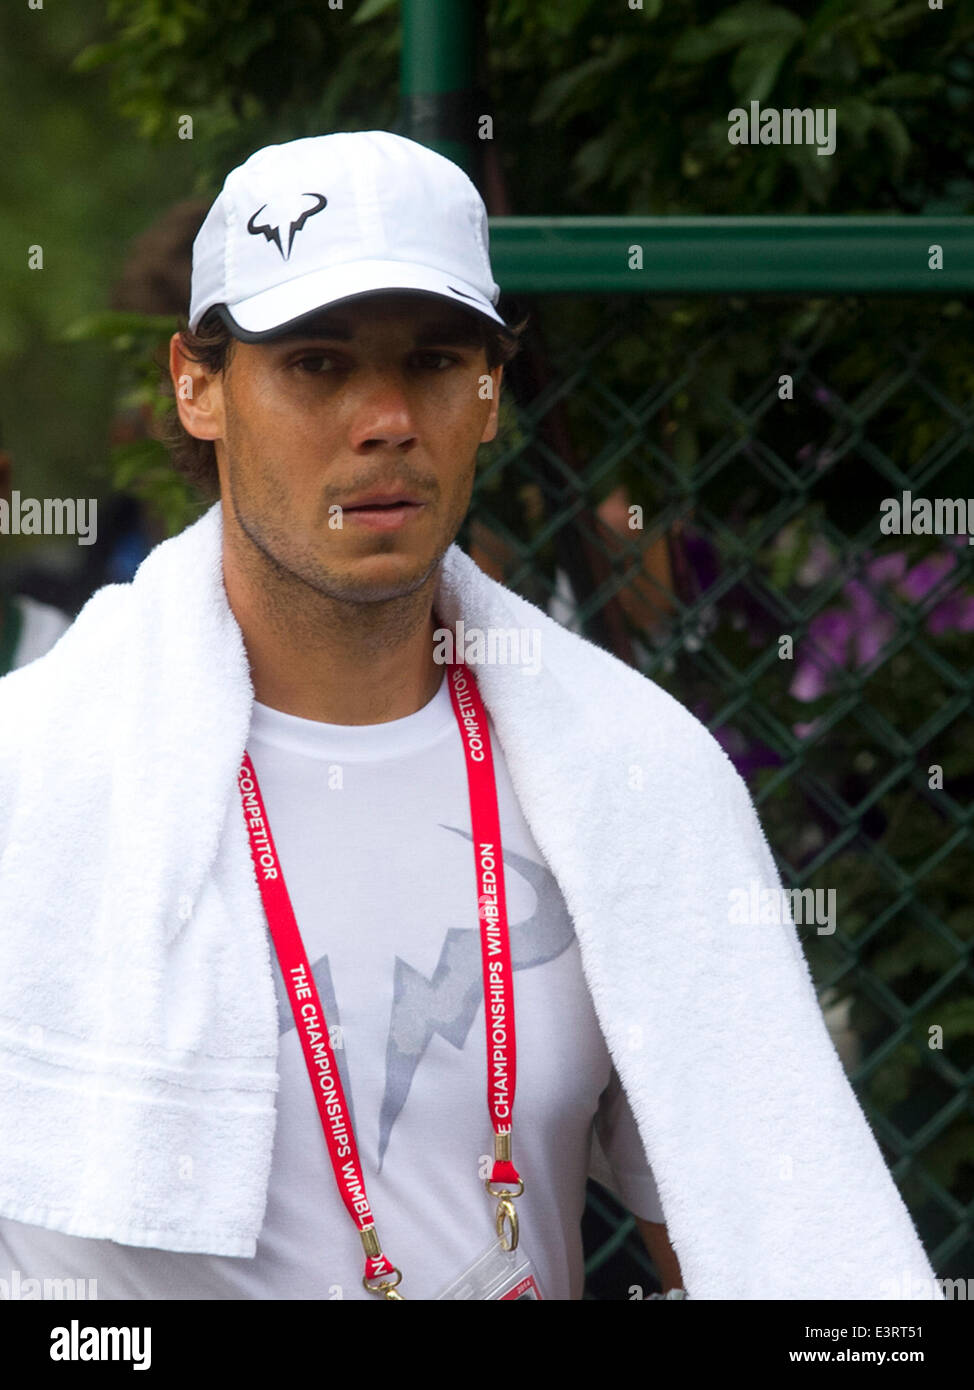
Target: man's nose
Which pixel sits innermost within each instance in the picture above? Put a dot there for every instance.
(384, 415)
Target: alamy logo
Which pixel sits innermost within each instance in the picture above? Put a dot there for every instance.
(909, 1286)
(791, 126)
(272, 230)
(54, 516)
(77, 1343)
(18, 1289)
(923, 516)
(757, 906)
(493, 646)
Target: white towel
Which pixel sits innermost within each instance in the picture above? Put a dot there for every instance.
(138, 1019)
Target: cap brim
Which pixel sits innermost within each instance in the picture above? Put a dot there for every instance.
(279, 310)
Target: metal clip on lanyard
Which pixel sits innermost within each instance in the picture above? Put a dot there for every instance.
(385, 1288)
(381, 1275)
(506, 1212)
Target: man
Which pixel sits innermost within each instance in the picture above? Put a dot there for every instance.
(269, 728)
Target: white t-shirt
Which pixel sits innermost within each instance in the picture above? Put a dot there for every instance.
(372, 826)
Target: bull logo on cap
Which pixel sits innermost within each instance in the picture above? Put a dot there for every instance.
(273, 231)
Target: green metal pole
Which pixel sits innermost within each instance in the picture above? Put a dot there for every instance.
(436, 77)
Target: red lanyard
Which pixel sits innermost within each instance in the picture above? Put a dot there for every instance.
(381, 1276)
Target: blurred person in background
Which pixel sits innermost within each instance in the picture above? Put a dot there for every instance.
(28, 627)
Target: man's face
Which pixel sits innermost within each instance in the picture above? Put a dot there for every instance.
(380, 393)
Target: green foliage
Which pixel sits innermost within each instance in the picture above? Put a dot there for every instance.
(142, 468)
(75, 180)
(249, 74)
(634, 103)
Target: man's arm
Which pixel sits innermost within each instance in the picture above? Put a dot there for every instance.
(661, 1252)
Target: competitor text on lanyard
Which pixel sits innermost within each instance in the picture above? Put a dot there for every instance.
(381, 1275)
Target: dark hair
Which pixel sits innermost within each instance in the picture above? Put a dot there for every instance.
(213, 345)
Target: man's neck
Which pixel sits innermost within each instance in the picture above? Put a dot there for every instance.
(332, 661)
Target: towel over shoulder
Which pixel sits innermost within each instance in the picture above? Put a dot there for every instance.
(126, 882)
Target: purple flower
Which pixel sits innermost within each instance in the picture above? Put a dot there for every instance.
(701, 558)
(925, 576)
(856, 634)
(874, 626)
(829, 635)
(805, 730)
(956, 611)
(887, 567)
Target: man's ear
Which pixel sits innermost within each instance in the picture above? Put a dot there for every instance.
(490, 425)
(198, 393)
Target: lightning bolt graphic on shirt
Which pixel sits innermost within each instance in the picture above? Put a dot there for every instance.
(446, 1003)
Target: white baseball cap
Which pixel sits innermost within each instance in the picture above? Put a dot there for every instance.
(315, 221)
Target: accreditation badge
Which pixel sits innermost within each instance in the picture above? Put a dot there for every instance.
(496, 1274)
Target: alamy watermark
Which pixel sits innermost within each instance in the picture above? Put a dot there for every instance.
(791, 125)
(18, 1289)
(77, 1343)
(54, 516)
(492, 646)
(925, 516)
(755, 906)
(908, 1287)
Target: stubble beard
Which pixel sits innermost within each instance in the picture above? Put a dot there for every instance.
(301, 594)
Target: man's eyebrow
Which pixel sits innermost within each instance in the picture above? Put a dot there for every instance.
(458, 332)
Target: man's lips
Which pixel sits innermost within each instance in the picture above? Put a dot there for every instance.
(385, 498)
(380, 506)
(388, 517)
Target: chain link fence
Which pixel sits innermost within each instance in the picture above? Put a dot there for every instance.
(714, 488)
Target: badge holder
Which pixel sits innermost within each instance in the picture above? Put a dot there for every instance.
(496, 1274)
(503, 1270)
